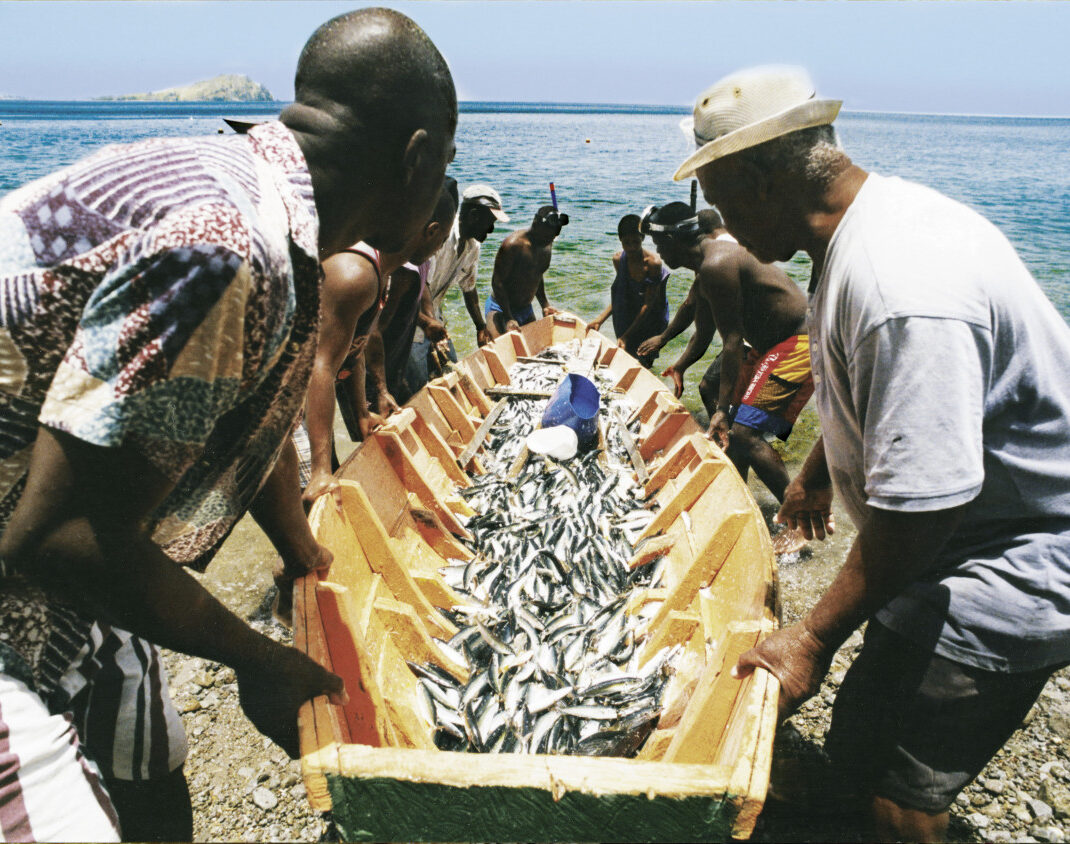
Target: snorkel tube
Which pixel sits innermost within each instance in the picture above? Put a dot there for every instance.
(554, 218)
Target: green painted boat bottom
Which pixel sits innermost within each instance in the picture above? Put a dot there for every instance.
(384, 809)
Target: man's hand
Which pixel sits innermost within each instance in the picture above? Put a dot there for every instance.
(549, 310)
(287, 571)
(677, 379)
(796, 657)
(620, 343)
(272, 697)
(387, 404)
(369, 423)
(512, 325)
(718, 430)
(483, 336)
(650, 345)
(435, 331)
(594, 326)
(808, 510)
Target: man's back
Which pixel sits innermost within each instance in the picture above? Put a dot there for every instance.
(770, 306)
(139, 256)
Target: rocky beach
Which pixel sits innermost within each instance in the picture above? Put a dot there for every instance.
(244, 787)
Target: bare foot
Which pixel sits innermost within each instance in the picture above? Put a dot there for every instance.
(788, 541)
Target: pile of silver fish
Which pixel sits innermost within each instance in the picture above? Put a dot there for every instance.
(547, 638)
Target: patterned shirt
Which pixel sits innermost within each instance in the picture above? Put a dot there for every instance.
(163, 295)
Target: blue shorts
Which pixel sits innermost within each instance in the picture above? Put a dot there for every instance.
(522, 315)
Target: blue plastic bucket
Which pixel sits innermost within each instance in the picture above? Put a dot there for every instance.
(575, 403)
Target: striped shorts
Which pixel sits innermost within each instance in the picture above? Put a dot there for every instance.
(111, 714)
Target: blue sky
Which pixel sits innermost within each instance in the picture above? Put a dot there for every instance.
(947, 57)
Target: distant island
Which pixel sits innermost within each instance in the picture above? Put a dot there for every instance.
(229, 87)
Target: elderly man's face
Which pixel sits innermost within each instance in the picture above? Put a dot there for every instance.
(750, 214)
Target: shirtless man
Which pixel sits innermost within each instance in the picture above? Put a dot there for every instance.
(519, 265)
(759, 390)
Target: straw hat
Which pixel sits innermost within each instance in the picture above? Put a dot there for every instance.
(750, 107)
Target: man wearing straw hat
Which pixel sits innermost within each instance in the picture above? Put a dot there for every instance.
(945, 432)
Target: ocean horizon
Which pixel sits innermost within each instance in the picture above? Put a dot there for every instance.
(14, 107)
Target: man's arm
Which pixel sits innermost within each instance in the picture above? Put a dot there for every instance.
(540, 294)
(503, 268)
(895, 381)
(807, 504)
(278, 511)
(375, 357)
(696, 347)
(683, 317)
(350, 286)
(79, 529)
(433, 330)
(719, 277)
(892, 549)
(596, 324)
(651, 299)
(471, 302)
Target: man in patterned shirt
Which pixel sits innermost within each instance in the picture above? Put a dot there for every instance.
(159, 305)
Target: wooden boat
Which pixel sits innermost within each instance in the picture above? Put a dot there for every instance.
(702, 774)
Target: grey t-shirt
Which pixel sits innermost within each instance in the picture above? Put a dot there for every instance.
(942, 377)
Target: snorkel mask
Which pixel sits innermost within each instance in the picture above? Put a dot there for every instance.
(552, 217)
(687, 226)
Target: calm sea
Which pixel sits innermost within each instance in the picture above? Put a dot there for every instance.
(610, 161)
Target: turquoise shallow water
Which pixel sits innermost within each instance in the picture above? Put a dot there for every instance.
(1015, 171)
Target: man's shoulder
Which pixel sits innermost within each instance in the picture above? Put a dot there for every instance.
(721, 261)
(349, 268)
(906, 249)
(515, 240)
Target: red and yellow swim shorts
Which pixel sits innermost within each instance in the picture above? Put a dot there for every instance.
(774, 387)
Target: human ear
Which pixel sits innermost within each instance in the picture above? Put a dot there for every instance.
(416, 157)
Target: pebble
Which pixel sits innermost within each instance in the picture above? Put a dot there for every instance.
(994, 786)
(1022, 814)
(264, 798)
(1048, 833)
(1040, 810)
(204, 679)
(978, 820)
(1057, 796)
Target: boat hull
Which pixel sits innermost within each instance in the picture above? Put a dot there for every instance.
(702, 774)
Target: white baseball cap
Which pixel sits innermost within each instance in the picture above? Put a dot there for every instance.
(486, 196)
(750, 107)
